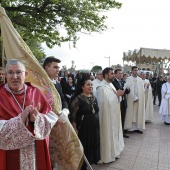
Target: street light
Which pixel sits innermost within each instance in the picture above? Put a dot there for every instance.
(109, 59)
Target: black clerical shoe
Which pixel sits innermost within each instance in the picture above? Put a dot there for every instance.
(138, 131)
(125, 136)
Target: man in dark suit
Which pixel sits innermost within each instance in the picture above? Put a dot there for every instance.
(159, 84)
(51, 66)
(119, 84)
(154, 88)
(64, 80)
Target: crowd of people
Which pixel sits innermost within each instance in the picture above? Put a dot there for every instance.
(125, 102)
(102, 111)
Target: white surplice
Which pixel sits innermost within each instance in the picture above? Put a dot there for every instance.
(111, 136)
(95, 83)
(165, 103)
(135, 112)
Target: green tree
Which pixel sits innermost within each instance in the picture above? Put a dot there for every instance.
(56, 21)
(36, 49)
(96, 68)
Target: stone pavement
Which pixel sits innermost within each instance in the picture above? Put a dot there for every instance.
(148, 151)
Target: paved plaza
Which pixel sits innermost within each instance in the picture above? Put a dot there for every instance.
(149, 151)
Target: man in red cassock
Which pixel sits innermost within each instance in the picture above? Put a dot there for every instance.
(26, 120)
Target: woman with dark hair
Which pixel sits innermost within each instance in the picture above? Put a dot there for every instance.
(69, 89)
(85, 120)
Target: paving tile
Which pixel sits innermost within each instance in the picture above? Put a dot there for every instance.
(148, 159)
(128, 156)
(144, 166)
(149, 151)
(163, 168)
(122, 164)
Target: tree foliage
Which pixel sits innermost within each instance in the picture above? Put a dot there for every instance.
(96, 68)
(56, 21)
(36, 49)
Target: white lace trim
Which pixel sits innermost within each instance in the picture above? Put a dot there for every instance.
(42, 127)
(14, 135)
(28, 157)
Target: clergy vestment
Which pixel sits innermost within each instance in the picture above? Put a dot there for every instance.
(165, 103)
(24, 146)
(148, 101)
(95, 83)
(111, 136)
(135, 112)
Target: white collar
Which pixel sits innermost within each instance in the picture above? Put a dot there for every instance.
(54, 81)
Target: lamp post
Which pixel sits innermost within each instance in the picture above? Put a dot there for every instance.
(109, 59)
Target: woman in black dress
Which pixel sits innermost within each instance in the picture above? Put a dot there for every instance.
(69, 89)
(85, 120)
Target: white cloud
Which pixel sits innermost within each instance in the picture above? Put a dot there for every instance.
(139, 23)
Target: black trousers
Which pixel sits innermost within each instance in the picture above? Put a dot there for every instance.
(154, 96)
(123, 113)
(159, 97)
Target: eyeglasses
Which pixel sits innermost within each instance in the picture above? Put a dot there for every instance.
(17, 73)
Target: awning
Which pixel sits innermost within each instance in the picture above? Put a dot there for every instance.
(147, 55)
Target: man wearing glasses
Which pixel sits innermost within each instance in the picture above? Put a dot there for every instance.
(97, 81)
(26, 119)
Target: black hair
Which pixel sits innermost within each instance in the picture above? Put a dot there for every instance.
(133, 67)
(49, 60)
(72, 76)
(118, 69)
(80, 84)
(106, 71)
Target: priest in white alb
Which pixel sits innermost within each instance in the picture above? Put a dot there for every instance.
(97, 81)
(135, 113)
(148, 98)
(165, 103)
(111, 136)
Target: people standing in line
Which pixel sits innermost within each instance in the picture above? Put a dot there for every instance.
(52, 66)
(148, 77)
(165, 103)
(153, 85)
(135, 112)
(69, 89)
(159, 84)
(97, 81)
(78, 77)
(148, 98)
(85, 120)
(61, 73)
(165, 79)
(119, 84)
(26, 119)
(64, 80)
(125, 76)
(92, 77)
(111, 136)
